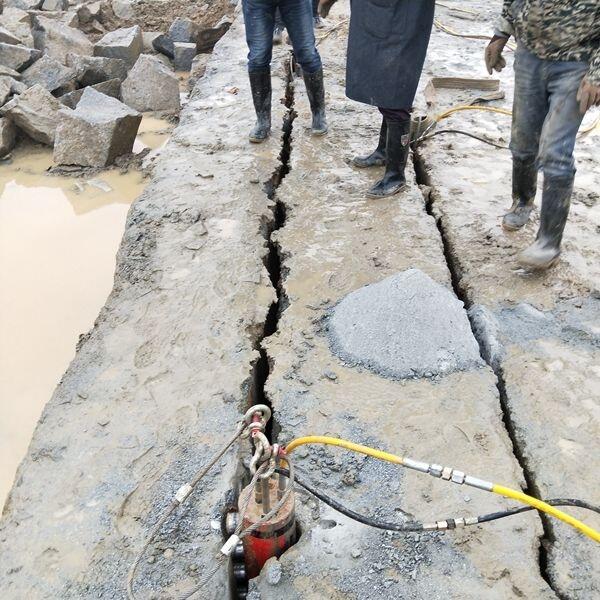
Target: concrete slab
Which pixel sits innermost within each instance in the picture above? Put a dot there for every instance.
(334, 241)
(535, 328)
(158, 384)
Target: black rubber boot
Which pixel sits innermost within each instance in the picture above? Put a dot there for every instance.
(316, 96)
(397, 149)
(556, 201)
(260, 84)
(377, 157)
(524, 186)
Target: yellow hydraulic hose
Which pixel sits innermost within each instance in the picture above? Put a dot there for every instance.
(447, 113)
(461, 478)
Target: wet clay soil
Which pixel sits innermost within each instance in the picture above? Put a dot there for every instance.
(58, 240)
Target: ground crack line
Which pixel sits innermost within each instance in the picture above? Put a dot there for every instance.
(453, 264)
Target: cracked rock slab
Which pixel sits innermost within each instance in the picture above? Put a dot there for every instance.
(404, 326)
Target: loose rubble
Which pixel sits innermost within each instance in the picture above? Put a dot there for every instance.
(50, 74)
(57, 39)
(17, 57)
(126, 44)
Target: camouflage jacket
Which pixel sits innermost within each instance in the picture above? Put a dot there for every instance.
(556, 29)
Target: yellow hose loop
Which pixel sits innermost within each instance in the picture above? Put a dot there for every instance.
(497, 489)
(447, 113)
(322, 439)
(550, 510)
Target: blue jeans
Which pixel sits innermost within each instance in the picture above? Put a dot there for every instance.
(546, 114)
(259, 17)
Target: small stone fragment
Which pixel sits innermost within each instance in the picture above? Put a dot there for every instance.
(8, 133)
(125, 43)
(23, 4)
(184, 55)
(148, 38)
(99, 130)
(36, 113)
(111, 88)
(51, 74)
(6, 37)
(183, 30)
(164, 45)
(57, 39)
(18, 23)
(123, 9)
(5, 90)
(55, 5)
(8, 72)
(207, 38)
(151, 86)
(17, 57)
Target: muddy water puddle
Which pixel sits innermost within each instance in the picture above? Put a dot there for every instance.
(58, 241)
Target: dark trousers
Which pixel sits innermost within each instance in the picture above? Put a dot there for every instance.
(396, 114)
(259, 18)
(546, 113)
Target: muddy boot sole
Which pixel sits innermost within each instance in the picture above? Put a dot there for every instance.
(386, 193)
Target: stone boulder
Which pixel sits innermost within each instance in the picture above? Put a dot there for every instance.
(89, 12)
(184, 54)
(6, 37)
(111, 88)
(8, 134)
(183, 30)
(150, 86)
(35, 112)
(207, 38)
(124, 9)
(148, 38)
(23, 4)
(99, 130)
(17, 57)
(95, 69)
(126, 43)
(57, 39)
(57, 5)
(8, 72)
(50, 74)
(5, 90)
(163, 44)
(18, 23)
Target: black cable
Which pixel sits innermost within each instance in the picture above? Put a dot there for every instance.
(413, 526)
(472, 135)
(409, 526)
(553, 502)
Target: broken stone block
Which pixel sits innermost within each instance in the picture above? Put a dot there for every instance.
(150, 86)
(15, 87)
(164, 45)
(17, 22)
(123, 43)
(55, 5)
(198, 69)
(123, 9)
(23, 4)
(35, 112)
(8, 134)
(8, 72)
(207, 38)
(86, 13)
(99, 130)
(5, 90)
(148, 38)
(111, 88)
(95, 69)
(17, 57)
(6, 37)
(184, 55)
(51, 74)
(183, 30)
(57, 39)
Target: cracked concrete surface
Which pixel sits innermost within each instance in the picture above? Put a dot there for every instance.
(159, 382)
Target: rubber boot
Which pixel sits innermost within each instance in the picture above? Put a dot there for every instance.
(316, 97)
(556, 201)
(524, 187)
(397, 149)
(260, 84)
(377, 157)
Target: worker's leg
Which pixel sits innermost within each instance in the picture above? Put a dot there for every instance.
(259, 19)
(397, 147)
(530, 106)
(278, 29)
(377, 157)
(556, 161)
(297, 16)
(318, 22)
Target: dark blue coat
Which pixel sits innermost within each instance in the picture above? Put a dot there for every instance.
(387, 44)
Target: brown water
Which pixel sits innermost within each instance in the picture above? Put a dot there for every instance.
(58, 241)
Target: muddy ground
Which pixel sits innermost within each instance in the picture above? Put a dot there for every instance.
(224, 232)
